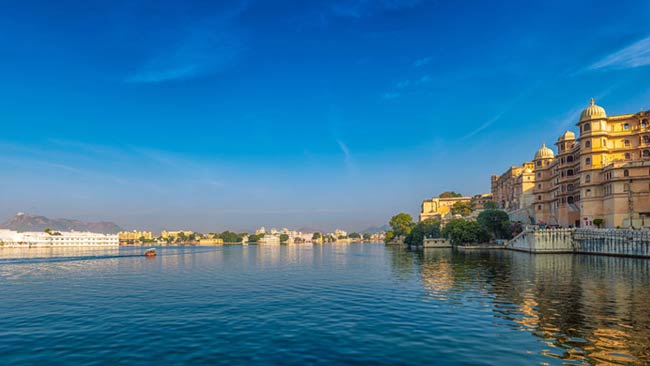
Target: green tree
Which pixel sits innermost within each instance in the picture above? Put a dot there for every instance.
(389, 236)
(354, 236)
(464, 232)
(461, 208)
(284, 238)
(496, 222)
(48, 230)
(230, 237)
(598, 222)
(429, 228)
(449, 194)
(490, 205)
(367, 236)
(316, 236)
(254, 238)
(401, 224)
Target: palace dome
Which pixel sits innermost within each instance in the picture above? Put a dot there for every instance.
(544, 153)
(592, 112)
(567, 136)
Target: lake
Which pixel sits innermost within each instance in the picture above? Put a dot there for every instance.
(348, 304)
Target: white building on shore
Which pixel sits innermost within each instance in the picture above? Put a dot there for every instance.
(14, 239)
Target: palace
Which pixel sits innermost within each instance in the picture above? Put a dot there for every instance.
(600, 177)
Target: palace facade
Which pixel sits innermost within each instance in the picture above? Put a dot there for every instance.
(439, 207)
(602, 174)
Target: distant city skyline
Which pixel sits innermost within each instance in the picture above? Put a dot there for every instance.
(328, 114)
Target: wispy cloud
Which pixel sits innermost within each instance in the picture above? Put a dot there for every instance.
(349, 164)
(634, 55)
(485, 125)
(203, 48)
(406, 86)
(422, 61)
(390, 95)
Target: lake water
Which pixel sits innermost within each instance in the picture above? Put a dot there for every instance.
(356, 304)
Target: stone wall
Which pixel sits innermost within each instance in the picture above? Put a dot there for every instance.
(588, 241)
(613, 242)
(543, 241)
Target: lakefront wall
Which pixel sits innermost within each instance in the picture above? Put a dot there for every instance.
(588, 241)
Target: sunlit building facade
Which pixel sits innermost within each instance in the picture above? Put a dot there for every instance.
(602, 174)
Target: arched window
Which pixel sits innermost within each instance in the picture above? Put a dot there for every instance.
(586, 127)
(569, 187)
(539, 163)
(569, 199)
(569, 172)
(626, 173)
(587, 143)
(562, 160)
(627, 156)
(646, 153)
(626, 142)
(644, 123)
(588, 160)
(587, 178)
(569, 159)
(539, 198)
(539, 186)
(646, 139)
(626, 126)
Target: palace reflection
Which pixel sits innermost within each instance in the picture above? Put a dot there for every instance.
(585, 309)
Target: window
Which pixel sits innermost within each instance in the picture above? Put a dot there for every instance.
(586, 127)
(587, 178)
(587, 143)
(626, 126)
(569, 172)
(644, 123)
(539, 186)
(569, 159)
(627, 156)
(588, 160)
(646, 153)
(539, 198)
(539, 175)
(569, 199)
(646, 139)
(569, 187)
(626, 142)
(562, 160)
(539, 163)
(626, 173)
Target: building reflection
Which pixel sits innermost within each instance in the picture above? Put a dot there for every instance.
(585, 309)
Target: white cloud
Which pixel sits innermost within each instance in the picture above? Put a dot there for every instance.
(634, 55)
(422, 61)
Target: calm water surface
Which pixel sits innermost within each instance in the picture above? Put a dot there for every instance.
(321, 305)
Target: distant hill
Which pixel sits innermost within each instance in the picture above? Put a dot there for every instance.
(307, 229)
(26, 222)
(376, 229)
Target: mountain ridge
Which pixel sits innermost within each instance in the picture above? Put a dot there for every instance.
(25, 222)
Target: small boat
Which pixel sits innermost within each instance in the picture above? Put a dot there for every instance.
(151, 252)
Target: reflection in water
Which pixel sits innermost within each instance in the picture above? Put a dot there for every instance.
(586, 309)
(326, 304)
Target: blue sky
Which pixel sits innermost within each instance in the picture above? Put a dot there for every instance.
(290, 113)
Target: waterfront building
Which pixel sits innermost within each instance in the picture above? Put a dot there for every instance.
(175, 234)
(513, 191)
(478, 201)
(131, 237)
(211, 241)
(438, 208)
(270, 239)
(10, 238)
(604, 173)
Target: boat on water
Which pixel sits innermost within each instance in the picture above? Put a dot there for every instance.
(151, 252)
